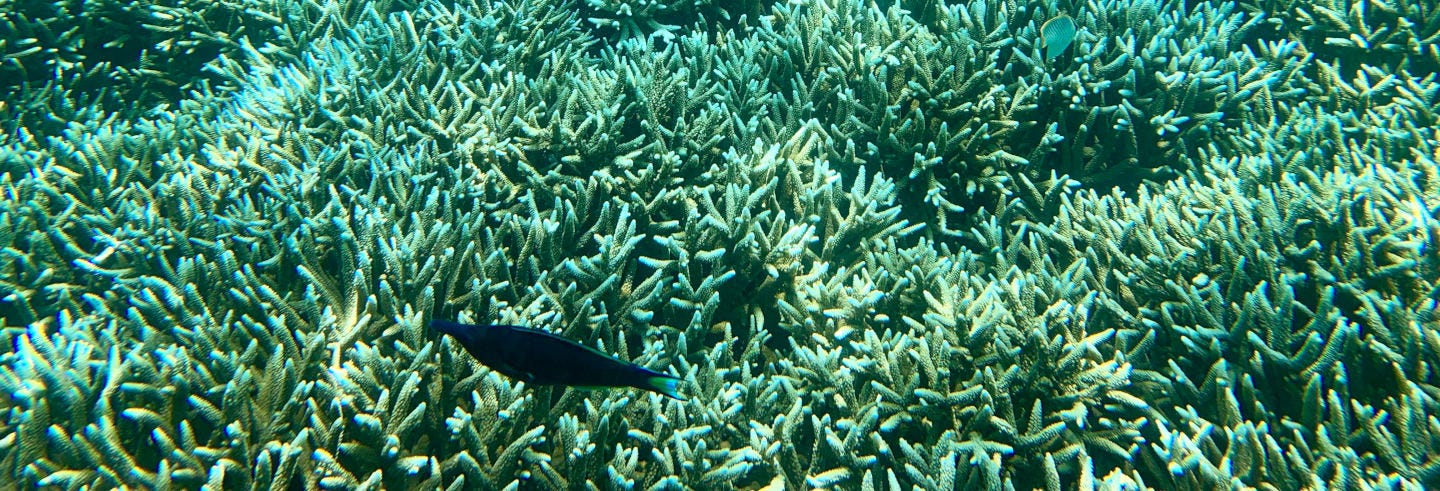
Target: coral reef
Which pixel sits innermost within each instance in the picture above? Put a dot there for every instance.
(885, 245)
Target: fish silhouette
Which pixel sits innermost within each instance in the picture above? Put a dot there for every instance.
(540, 358)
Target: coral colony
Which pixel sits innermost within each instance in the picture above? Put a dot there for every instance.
(869, 244)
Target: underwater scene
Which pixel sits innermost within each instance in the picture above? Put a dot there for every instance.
(720, 244)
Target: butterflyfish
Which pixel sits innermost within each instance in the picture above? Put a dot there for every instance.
(1056, 35)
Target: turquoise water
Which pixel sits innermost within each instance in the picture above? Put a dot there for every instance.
(883, 245)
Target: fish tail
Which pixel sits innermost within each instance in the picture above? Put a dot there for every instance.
(664, 384)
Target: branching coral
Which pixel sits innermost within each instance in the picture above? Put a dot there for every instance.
(881, 248)
(64, 61)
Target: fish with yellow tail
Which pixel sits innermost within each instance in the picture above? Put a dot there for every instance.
(541, 358)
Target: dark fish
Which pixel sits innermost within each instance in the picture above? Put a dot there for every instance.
(540, 358)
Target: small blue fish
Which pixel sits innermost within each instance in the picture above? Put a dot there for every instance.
(540, 358)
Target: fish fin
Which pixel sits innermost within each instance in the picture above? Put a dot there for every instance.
(664, 384)
(514, 373)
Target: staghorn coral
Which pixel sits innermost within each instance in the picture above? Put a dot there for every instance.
(1397, 35)
(882, 248)
(64, 61)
